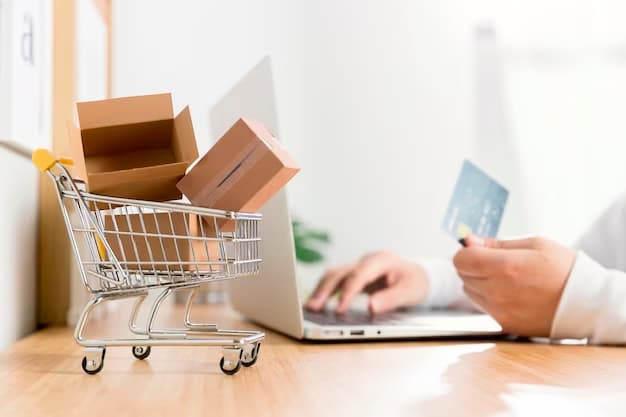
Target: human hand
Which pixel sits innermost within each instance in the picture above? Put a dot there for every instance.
(518, 282)
(391, 281)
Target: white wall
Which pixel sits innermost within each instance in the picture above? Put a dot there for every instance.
(380, 101)
(563, 76)
(25, 118)
(374, 100)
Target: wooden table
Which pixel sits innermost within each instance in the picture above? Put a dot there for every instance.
(41, 376)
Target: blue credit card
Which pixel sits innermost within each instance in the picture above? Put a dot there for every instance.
(476, 206)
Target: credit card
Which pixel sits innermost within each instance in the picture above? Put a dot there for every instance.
(476, 206)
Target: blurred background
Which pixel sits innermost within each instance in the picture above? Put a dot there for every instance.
(379, 102)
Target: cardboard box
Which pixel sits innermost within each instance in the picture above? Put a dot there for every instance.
(243, 170)
(189, 250)
(133, 147)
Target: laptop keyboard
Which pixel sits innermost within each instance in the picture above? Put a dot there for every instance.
(351, 318)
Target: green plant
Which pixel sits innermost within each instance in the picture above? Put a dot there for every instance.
(309, 242)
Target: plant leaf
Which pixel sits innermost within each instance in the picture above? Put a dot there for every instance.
(308, 255)
(317, 235)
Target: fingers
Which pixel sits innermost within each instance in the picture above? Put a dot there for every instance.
(479, 261)
(368, 270)
(477, 284)
(376, 285)
(375, 274)
(503, 257)
(387, 299)
(473, 240)
(327, 286)
(525, 243)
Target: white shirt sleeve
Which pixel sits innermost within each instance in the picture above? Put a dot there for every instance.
(593, 304)
(445, 286)
(605, 240)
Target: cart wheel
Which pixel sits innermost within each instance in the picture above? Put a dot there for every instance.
(229, 371)
(255, 355)
(141, 352)
(93, 366)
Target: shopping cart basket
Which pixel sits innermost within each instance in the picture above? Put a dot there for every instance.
(126, 248)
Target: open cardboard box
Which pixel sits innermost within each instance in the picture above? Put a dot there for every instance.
(133, 147)
(241, 172)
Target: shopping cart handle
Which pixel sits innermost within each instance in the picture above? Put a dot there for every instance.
(44, 159)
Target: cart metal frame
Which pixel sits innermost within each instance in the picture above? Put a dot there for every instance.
(128, 258)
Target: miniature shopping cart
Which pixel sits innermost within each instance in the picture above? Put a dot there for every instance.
(127, 248)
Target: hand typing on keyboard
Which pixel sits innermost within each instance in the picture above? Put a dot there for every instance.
(391, 281)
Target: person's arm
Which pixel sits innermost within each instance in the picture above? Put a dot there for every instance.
(605, 240)
(392, 282)
(593, 303)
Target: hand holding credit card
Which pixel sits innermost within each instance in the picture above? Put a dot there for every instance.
(476, 206)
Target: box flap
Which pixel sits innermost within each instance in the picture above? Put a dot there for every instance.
(129, 176)
(151, 183)
(183, 138)
(125, 110)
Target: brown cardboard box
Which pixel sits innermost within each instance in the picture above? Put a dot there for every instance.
(243, 170)
(133, 147)
(159, 223)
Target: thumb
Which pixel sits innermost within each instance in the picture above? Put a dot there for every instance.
(387, 299)
(525, 243)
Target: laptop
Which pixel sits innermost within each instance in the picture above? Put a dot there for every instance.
(273, 298)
